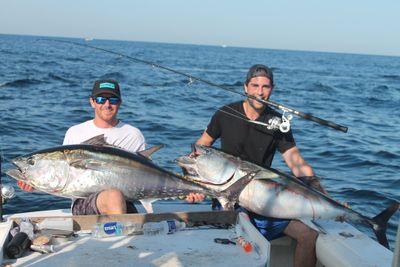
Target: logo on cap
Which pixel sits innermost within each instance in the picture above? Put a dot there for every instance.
(107, 85)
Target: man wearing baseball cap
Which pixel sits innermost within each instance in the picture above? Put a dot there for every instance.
(105, 101)
(256, 143)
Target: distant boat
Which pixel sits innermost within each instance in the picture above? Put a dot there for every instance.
(88, 39)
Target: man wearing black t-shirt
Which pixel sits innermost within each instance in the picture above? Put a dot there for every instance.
(258, 144)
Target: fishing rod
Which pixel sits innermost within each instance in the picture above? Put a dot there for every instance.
(285, 109)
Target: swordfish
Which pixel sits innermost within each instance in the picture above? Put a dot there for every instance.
(273, 193)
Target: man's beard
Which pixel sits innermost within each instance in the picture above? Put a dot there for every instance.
(259, 106)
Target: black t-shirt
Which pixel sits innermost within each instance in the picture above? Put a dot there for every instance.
(247, 140)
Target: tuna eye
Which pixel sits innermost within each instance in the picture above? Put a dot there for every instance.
(30, 161)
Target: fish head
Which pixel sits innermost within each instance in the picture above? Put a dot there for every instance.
(46, 172)
(206, 165)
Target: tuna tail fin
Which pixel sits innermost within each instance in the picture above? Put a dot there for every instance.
(230, 196)
(380, 223)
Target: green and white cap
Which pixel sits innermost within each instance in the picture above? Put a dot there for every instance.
(106, 87)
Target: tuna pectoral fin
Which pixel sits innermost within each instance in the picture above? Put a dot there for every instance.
(230, 196)
(380, 223)
(87, 164)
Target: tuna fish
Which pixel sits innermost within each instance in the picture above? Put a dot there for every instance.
(76, 171)
(273, 193)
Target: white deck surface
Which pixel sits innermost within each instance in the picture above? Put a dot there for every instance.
(185, 248)
(346, 246)
(343, 245)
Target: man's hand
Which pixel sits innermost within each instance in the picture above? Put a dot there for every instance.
(24, 186)
(195, 197)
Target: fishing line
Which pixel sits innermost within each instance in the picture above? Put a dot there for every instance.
(273, 124)
(191, 78)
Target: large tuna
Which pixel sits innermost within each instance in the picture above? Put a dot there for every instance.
(76, 171)
(273, 193)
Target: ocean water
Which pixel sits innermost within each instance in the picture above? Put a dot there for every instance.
(44, 89)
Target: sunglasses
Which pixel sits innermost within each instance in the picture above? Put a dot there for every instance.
(102, 99)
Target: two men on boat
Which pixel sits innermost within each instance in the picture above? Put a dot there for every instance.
(239, 137)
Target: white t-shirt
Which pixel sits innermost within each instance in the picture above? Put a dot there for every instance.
(122, 135)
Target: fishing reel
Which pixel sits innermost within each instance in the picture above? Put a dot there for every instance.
(7, 192)
(283, 124)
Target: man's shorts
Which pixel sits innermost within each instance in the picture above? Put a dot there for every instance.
(87, 206)
(270, 228)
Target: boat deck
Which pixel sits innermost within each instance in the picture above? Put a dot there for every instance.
(339, 244)
(184, 248)
(193, 246)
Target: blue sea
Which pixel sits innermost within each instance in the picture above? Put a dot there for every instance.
(45, 85)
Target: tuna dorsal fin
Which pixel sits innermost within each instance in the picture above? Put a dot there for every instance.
(147, 152)
(98, 140)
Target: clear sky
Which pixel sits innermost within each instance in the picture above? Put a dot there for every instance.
(350, 26)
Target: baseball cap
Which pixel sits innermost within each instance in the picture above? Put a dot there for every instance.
(260, 70)
(106, 87)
